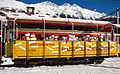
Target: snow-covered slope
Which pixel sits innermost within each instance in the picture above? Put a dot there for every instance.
(12, 4)
(51, 9)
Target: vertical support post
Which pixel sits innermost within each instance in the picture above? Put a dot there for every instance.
(117, 36)
(72, 49)
(44, 29)
(117, 40)
(108, 49)
(44, 40)
(59, 50)
(94, 13)
(43, 49)
(117, 23)
(14, 29)
(105, 36)
(84, 49)
(97, 48)
(72, 27)
(1, 41)
(3, 37)
(97, 29)
(27, 54)
(112, 34)
(27, 51)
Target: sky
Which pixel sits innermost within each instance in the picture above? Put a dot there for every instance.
(103, 6)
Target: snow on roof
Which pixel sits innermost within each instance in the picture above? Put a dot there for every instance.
(39, 17)
(116, 25)
(45, 17)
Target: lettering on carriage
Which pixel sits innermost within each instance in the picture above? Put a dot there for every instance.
(40, 44)
(33, 44)
(75, 49)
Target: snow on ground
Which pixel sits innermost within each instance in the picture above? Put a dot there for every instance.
(109, 66)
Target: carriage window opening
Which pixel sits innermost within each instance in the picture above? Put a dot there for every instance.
(21, 37)
(104, 38)
(61, 37)
(109, 38)
(80, 38)
(38, 36)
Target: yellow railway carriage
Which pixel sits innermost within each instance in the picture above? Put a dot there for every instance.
(61, 49)
(42, 51)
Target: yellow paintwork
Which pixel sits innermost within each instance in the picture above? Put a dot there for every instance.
(51, 49)
(103, 48)
(78, 48)
(91, 48)
(8, 49)
(113, 48)
(61, 49)
(19, 49)
(117, 45)
(65, 49)
(35, 49)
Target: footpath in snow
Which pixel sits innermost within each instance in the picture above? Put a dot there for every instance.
(109, 66)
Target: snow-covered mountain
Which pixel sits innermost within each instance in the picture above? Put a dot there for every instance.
(51, 9)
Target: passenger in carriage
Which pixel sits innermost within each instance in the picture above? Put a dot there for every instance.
(72, 38)
(22, 38)
(27, 36)
(64, 38)
(56, 38)
(100, 37)
(77, 38)
(33, 37)
(87, 38)
(51, 37)
(93, 38)
(46, 38)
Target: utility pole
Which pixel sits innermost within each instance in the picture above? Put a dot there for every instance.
(117, 14)
(94, 13)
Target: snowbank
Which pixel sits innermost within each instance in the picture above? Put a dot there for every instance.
(109, 66)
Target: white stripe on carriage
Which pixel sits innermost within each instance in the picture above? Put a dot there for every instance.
(18, 44)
